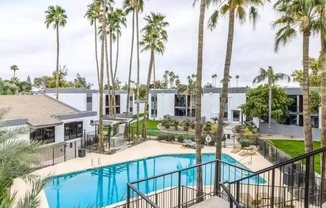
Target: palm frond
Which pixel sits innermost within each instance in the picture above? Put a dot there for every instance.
(284, 35)
(212, 21)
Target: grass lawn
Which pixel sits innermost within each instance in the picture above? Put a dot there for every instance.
(149, 124)
(296, 148)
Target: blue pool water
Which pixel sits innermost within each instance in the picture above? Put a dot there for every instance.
(108, 185)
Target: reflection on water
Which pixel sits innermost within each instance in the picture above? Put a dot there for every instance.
(108, 185)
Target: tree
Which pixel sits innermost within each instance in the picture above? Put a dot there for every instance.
(56, 16)
(41, 82)
(80, 82)
(237, 79)
(271, 78)
(303, 15)
(93, 14)
(314, 74)
(153, 39)
(257, 103)
(235, 9)
(17, 160)
(198, 127)
(135, 6)
(14, 68)
(59, 79)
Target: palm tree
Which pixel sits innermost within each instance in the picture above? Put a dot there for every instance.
(237, 79)
(135, 6)
(17, 159)
(192, 83)
(198, 128)
(14, 68)
(56, 16)
(93, 14)
(235, 9)
(271, 78)
(303, 15)
(154, 37)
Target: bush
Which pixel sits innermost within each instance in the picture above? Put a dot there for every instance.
(192, 125)
(238, 129)
(170, 138)
(192, 138)
(162, 137)
(245, 143)
(180, 138)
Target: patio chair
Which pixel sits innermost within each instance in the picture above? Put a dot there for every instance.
(188, 143)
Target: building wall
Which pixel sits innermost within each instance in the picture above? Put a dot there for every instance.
(75, 100)
(235, 100)
(210, 105)
(165, 105)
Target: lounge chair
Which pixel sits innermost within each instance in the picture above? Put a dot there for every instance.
(189, 144)
(236, 149)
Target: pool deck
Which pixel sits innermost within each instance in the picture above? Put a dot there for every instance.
(143, 150)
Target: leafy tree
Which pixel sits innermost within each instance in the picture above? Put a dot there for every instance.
(80, 82)
(58, 78)
(42, 82)
(56, 16)
(271, 78)
(314, 73)
(154, 37)
(8, 87)
(257, 103)
(14, 68)
(315, 101)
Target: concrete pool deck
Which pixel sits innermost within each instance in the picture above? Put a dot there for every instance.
(143, 150)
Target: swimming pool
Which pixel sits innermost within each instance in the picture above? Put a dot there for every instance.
(107, 185)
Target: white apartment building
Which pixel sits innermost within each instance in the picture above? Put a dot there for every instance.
(169, 102)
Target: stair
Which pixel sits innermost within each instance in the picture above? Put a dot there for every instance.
(212, 203)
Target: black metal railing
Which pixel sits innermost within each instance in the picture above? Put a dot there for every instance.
(291, 183)
(231, 198)
(178, 188)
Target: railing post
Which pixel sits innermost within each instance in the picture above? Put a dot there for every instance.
(238, 192)
(307, 180)
(216, 178)
(128, 196)
(273, 188)
(179, 189)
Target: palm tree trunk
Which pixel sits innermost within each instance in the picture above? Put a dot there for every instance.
(149, 75)
(57, 66)
(130, 62)
(108, 75)
(116, 57)
(100, 128)
(224, 95)
(96, 56)
(323, 104)
(198, 128)
(270, 110)
(138, 69)
(112, 77)
(306, 108)
(305, 86)
(154, 71)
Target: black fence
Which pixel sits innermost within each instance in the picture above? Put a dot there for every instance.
(271, 153)
(179, 189)
(58, 153)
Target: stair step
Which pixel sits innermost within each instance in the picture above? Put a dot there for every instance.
(212, 203)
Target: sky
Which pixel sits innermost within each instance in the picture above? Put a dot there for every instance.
(26, 42)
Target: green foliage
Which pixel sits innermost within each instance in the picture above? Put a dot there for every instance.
(315, 66)
(245, 142)
(14, 86)
(180, 138)
(315, 101)
(17, 160)
(257, 103)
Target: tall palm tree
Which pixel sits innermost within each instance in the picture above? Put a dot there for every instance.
(192, 84)
(235, 9)
(271, 78)
(14, 68)
(56, 16)
(135, 6)
(93, 14)
(198, 128)
(304, 16)
(153, 39)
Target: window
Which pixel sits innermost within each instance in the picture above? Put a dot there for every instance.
(236, 115)
(130, 109)
(152, 99)
(73, 130)
(45, 135)
(89, 99)
(130, 98)
(154, 113)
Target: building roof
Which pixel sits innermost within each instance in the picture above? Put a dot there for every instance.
(39, 110)
(83, 90)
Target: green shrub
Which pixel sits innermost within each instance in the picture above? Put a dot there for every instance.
(180, 138)
(171, 138)
(245, 142)
(162, 137)
(192, 138)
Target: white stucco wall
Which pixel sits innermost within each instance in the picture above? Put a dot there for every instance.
(165, 105)
(235, 100)
(123, 103)
(25, 136)
(210, 105)
(75, 100)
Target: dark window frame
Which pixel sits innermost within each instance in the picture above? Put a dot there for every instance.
(73, 130)
(45, 135)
